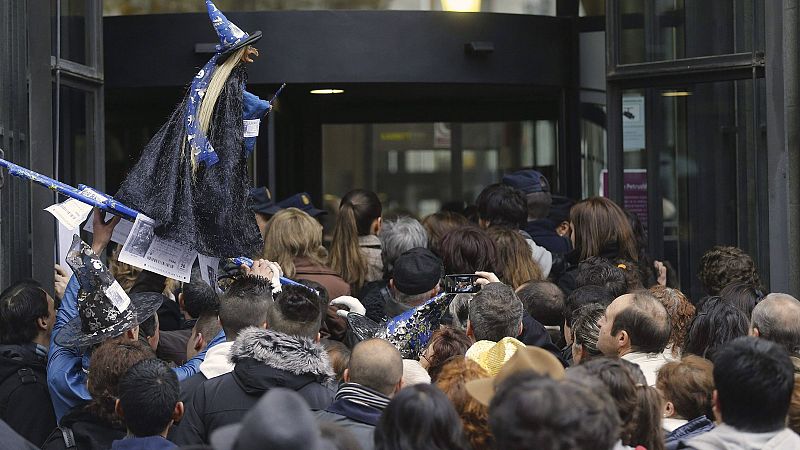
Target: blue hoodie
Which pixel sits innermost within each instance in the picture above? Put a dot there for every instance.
(67, 368)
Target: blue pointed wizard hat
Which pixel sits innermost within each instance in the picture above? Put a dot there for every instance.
(231, 37)
(411, 331)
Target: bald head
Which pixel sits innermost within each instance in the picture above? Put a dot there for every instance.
(376, 364)
(777, 319)
(643, 318)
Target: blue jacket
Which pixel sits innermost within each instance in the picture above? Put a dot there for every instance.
(67, 368)
(543, 232)
(143, 443)
(692, 428)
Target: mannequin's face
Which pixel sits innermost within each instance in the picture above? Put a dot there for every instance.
(249, 54)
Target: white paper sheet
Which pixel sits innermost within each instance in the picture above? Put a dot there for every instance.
(70, 213)
(121, 231)
(144, 249)
(64, 242)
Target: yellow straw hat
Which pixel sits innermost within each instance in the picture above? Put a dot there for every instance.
(493, 355)
(525, 359)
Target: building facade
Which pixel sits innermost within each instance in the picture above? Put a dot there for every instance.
(683, 111)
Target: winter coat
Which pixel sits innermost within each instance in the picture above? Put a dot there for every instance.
(264, 359)
(305, 269)
(217, 363)
(143, 443)
(359, 420)
(543, 232)
(690, 429)
(371, 249)
(89, 431)
(728, 438)
(24, 399)
(540, 255)
(357, 409)
(535, 334)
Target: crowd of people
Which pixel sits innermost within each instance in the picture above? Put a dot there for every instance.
(570, 336)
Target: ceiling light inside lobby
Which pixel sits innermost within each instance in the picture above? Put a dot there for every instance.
(461, 5)
(326, 91)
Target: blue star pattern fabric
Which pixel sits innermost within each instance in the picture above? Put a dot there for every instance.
(254, 109)
(229, 34)
(411, 330)
(202, 150)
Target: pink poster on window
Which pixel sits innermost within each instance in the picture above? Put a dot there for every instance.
(634, 189)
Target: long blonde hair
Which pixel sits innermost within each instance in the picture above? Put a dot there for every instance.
(515, 254)
(215, 87)
(291, 233)
(358, 210)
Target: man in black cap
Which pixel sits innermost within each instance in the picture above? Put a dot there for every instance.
(263, 206)
(537, 195)
(415, 280)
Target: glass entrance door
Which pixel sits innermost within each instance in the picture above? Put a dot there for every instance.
(418, 168)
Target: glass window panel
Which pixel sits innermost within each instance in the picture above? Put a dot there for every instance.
(75, 145)
(662, 30)
(418, 167)
(709, 178)
(589, 8)
(73, 35)
(594, 157)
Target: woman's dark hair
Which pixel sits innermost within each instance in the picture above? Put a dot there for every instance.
(533, 411)
(357, 211)
(646, 267)
(420, 417)
(601, 228)
(20, 305)
(636, 402)
(502, 205)
(445, 343)
(467, 250)
(743, 296)
(717, 323)
(109, 362)
(437, 225)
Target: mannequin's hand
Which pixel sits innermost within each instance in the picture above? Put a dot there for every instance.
(249, 54)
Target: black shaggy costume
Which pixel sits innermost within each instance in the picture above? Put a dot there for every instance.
(208, 209)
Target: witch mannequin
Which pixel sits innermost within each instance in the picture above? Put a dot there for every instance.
(191, 178)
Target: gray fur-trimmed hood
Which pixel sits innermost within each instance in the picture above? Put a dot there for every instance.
(297, 355)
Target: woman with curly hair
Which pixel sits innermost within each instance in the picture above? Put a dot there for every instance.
(681, 312)
(475, 416)
(722, 266)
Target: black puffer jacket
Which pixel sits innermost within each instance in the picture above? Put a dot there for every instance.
(24, 399)
(264, 359)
